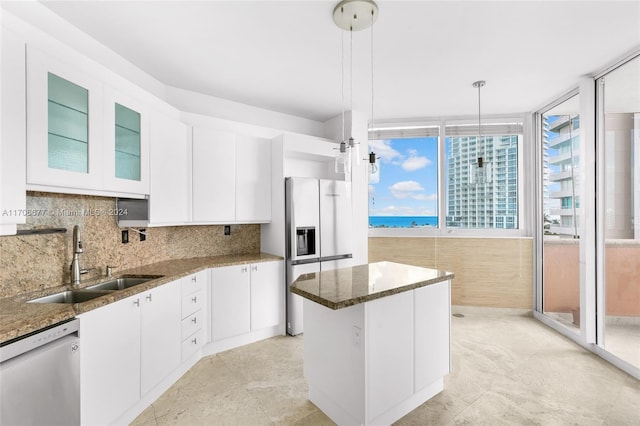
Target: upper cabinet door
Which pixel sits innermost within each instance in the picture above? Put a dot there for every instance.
(213, 168)
(169, 197)
(126, 144)
(12, 133)
(253, 179)
(64, 115)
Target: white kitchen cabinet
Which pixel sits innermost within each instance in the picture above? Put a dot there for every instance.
(64, 112)
(83, 136)
(253, 179)
(193, 330)
(231, 180)
(125, 143)
(213, 181)
(110, 360)
(160, 339)
(13, 133)
(230, 301)
(128, 347)
(432, 331)
(267, 297)
(169, 177)
(245, 298)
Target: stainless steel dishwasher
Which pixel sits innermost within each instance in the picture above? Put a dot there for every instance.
(40, 377)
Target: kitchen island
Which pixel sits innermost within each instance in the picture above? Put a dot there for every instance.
(376, 339)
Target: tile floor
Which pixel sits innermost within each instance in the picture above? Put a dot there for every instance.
(506, 369)
(622, 335)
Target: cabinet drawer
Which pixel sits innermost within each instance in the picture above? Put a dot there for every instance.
(192, 323)
(192, 303)
(193, 283)
(191, 344)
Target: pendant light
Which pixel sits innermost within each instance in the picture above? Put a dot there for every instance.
(351, 15)
(481, 170)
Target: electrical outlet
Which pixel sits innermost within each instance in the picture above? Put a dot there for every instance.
(142, 234)
(125, 236)
(227, 230)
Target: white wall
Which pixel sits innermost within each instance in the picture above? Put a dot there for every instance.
(198, 103)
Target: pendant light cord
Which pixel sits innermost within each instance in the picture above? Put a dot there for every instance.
(342, 78)
(480, 144)
(372, 16)
(351, 72)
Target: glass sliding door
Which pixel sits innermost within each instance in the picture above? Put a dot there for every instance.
(560, 134)
(619, 211)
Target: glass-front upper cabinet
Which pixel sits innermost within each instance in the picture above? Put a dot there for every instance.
(68, 125)
(83, 136)
(64, 117)
(126, 144)
(127, 136)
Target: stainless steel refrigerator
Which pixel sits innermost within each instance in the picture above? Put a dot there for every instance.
(318, 228)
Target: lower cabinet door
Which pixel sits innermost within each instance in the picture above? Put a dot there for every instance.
(191, 344)
(432, 331)
(109, 361)
(192, 323)
(267, 285)
(230, 315)
(160, 334)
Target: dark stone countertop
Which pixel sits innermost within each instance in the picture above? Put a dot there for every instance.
(18, 318)
(345, 287)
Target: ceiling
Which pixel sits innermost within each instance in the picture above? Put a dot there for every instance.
(285, 55)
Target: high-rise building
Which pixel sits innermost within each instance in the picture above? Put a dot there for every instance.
(562, 152)
(485, 197)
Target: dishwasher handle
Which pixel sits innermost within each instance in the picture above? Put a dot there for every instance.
(21, 345)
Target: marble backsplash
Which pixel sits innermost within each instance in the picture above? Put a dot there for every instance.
(33, 262)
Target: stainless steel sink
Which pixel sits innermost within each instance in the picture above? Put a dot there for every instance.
(123, 282)
(70, 296)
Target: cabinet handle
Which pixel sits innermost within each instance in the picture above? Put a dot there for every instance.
(194, 299)
(194, 340)
(149, 297)
(254, 268)
(194, 320)
(137, 302)
(244, 269)
(194, 278)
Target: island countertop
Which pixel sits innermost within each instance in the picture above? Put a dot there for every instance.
(340, 288)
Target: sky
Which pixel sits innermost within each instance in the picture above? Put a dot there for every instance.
(408, 177)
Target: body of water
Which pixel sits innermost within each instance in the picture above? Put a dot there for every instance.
(402, 221)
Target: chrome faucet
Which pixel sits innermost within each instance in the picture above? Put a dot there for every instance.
(75, 263)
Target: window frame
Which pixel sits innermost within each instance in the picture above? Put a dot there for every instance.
(442, 230)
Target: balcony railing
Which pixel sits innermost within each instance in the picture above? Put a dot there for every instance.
(561, 276)
(555, 177)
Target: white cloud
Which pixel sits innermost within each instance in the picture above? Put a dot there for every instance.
(426, 197)
(411, 189)
(405, 188)
(384, 150)
(414, 163)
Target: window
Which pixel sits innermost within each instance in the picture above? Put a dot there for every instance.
(561, 149)
(482, 177)
(405, 193)
(480, 183)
